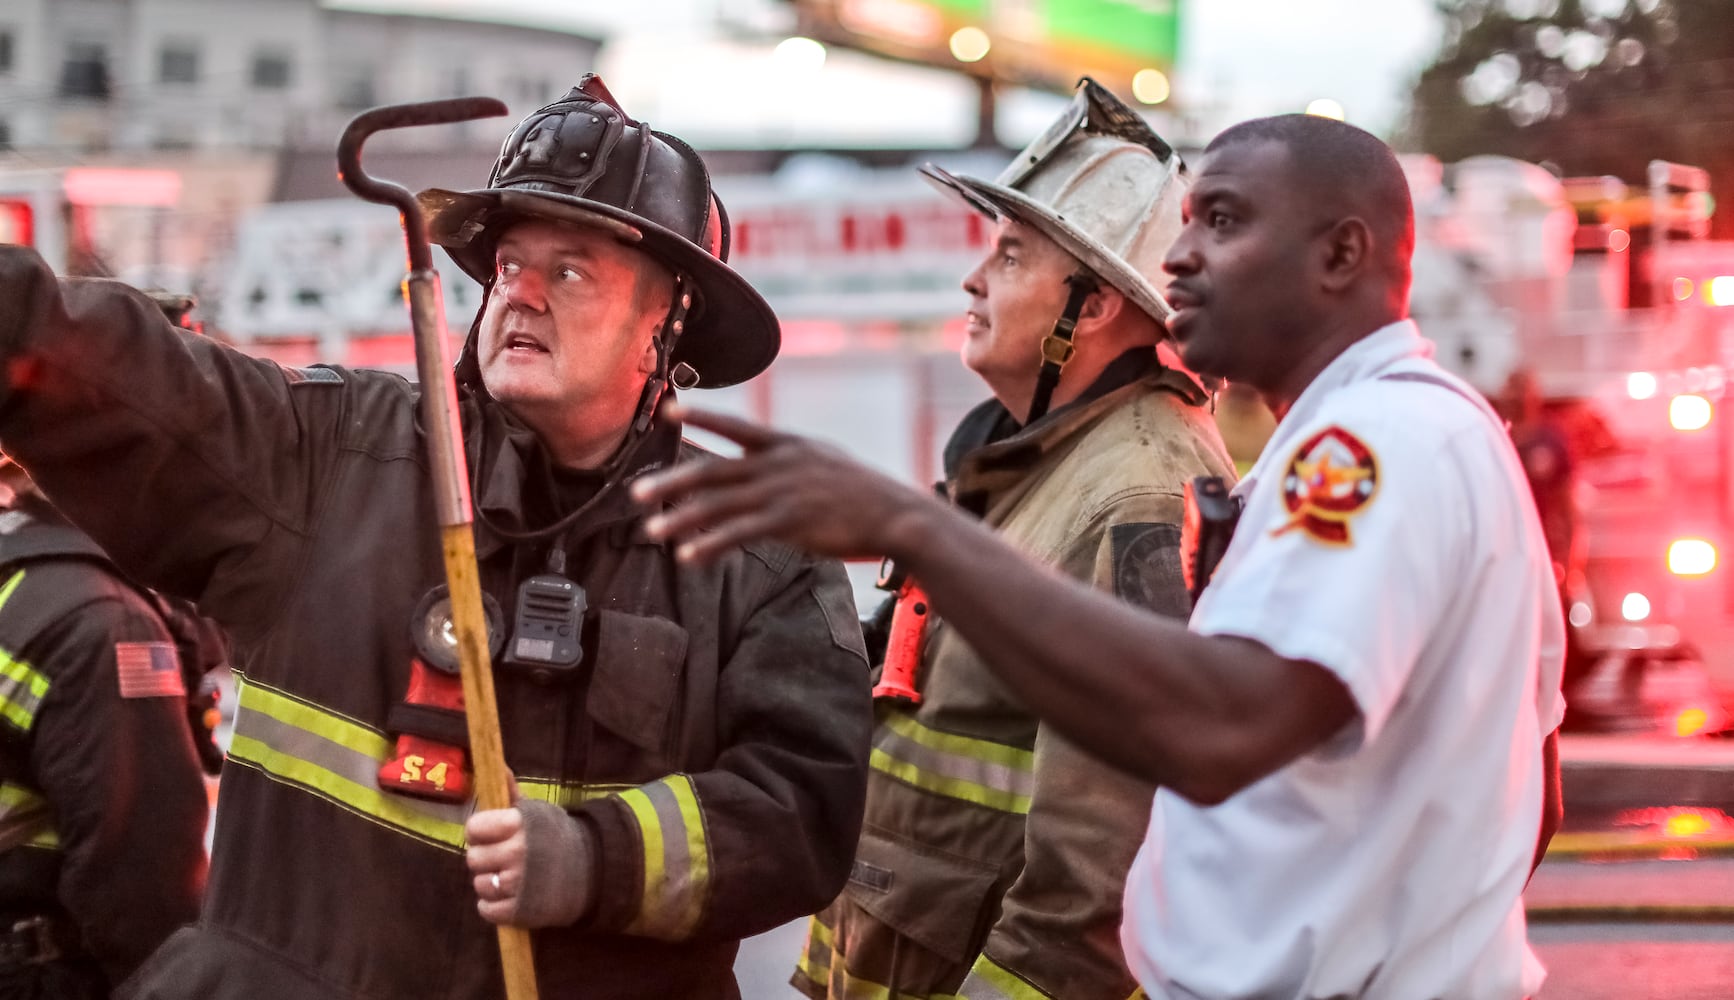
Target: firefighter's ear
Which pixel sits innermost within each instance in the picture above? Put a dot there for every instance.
(1101, 307)
(1344, 251)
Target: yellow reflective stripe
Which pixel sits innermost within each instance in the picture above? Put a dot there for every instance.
(21, 690)
(343, 731)
(16, 797)
(1015, 758)
(989, 980)
(336, 758)
(23, 805)
(568, 794)
(11, 585)
(815, 960)
(956, 788)
(676, 857)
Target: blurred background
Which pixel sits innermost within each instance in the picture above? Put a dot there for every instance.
(1567, 159)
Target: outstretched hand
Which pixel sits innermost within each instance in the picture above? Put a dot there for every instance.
(789, 488)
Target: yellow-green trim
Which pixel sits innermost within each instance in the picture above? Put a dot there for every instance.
(1016, 758)
(956, 788)
(25, 680)
(676, 857)
(11, 585)
(1001, 983)
(366, 750)
(567, 794)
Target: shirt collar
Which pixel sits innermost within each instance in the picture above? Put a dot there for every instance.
(1364, 359)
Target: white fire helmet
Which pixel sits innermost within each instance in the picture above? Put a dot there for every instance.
(1100, 183)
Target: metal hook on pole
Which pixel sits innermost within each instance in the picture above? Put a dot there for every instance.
(439, 413)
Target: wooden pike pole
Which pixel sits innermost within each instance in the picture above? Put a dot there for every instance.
(439, 415)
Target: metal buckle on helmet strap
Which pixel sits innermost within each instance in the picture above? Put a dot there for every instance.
(1057, 350)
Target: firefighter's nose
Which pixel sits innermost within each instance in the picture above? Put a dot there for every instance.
(973, 284)
(525, 290)
(1181, 258)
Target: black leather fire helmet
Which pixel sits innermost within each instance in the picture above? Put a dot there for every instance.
(582, 160)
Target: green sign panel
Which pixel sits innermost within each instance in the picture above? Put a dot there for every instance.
(1037, 41)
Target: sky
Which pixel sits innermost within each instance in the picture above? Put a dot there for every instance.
(1239, 59)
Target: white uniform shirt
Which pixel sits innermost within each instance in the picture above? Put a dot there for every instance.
(1390, 538)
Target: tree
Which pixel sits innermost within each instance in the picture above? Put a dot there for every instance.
(1589, 86)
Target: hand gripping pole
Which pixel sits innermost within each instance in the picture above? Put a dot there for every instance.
(439, 416)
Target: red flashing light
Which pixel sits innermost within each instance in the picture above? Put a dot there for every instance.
(17, 222)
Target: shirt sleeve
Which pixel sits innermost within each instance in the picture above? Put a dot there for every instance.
(1346, 555)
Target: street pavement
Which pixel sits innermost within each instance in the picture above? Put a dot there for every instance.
(1635, 900)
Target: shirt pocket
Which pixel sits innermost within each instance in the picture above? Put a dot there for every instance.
(899, 882)
(633, 689)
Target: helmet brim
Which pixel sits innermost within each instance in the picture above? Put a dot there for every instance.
(997, 201)
(731, 334)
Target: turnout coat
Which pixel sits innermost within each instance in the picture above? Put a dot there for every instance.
(714, 736)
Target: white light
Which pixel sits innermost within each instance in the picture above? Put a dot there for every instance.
(1719, 291)
(1150, 86)
(799, 55)
(1324, 107)
(1688, 412)
(1641, 385)
(1691, 557)
(1580, 614)
(1635, 608)
(970, 44)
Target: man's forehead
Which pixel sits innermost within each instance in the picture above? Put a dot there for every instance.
(1245, 168)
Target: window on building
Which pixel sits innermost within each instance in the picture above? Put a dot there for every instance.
(270, 70)
(84, 71)
(355, 90)
(178, 62)
(6, 56)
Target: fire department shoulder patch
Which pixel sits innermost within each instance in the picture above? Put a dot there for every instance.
(1332, 477)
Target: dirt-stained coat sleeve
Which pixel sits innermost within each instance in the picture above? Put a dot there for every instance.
(1058, 930)
(767, 834)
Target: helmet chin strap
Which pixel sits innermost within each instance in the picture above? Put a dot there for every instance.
(1057, 346)
(682, 376)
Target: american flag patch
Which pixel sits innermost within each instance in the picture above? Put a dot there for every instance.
(149, 670)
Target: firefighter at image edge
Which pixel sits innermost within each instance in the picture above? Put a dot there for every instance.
(689, 744)
(105, 737)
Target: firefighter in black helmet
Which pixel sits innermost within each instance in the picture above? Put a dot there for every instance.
(690, 748)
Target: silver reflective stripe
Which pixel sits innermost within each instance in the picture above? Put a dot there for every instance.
(21, 691)
(337, 759)
(980, 771)
(676, 857)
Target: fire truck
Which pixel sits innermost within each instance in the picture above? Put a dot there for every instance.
(1610, 296)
